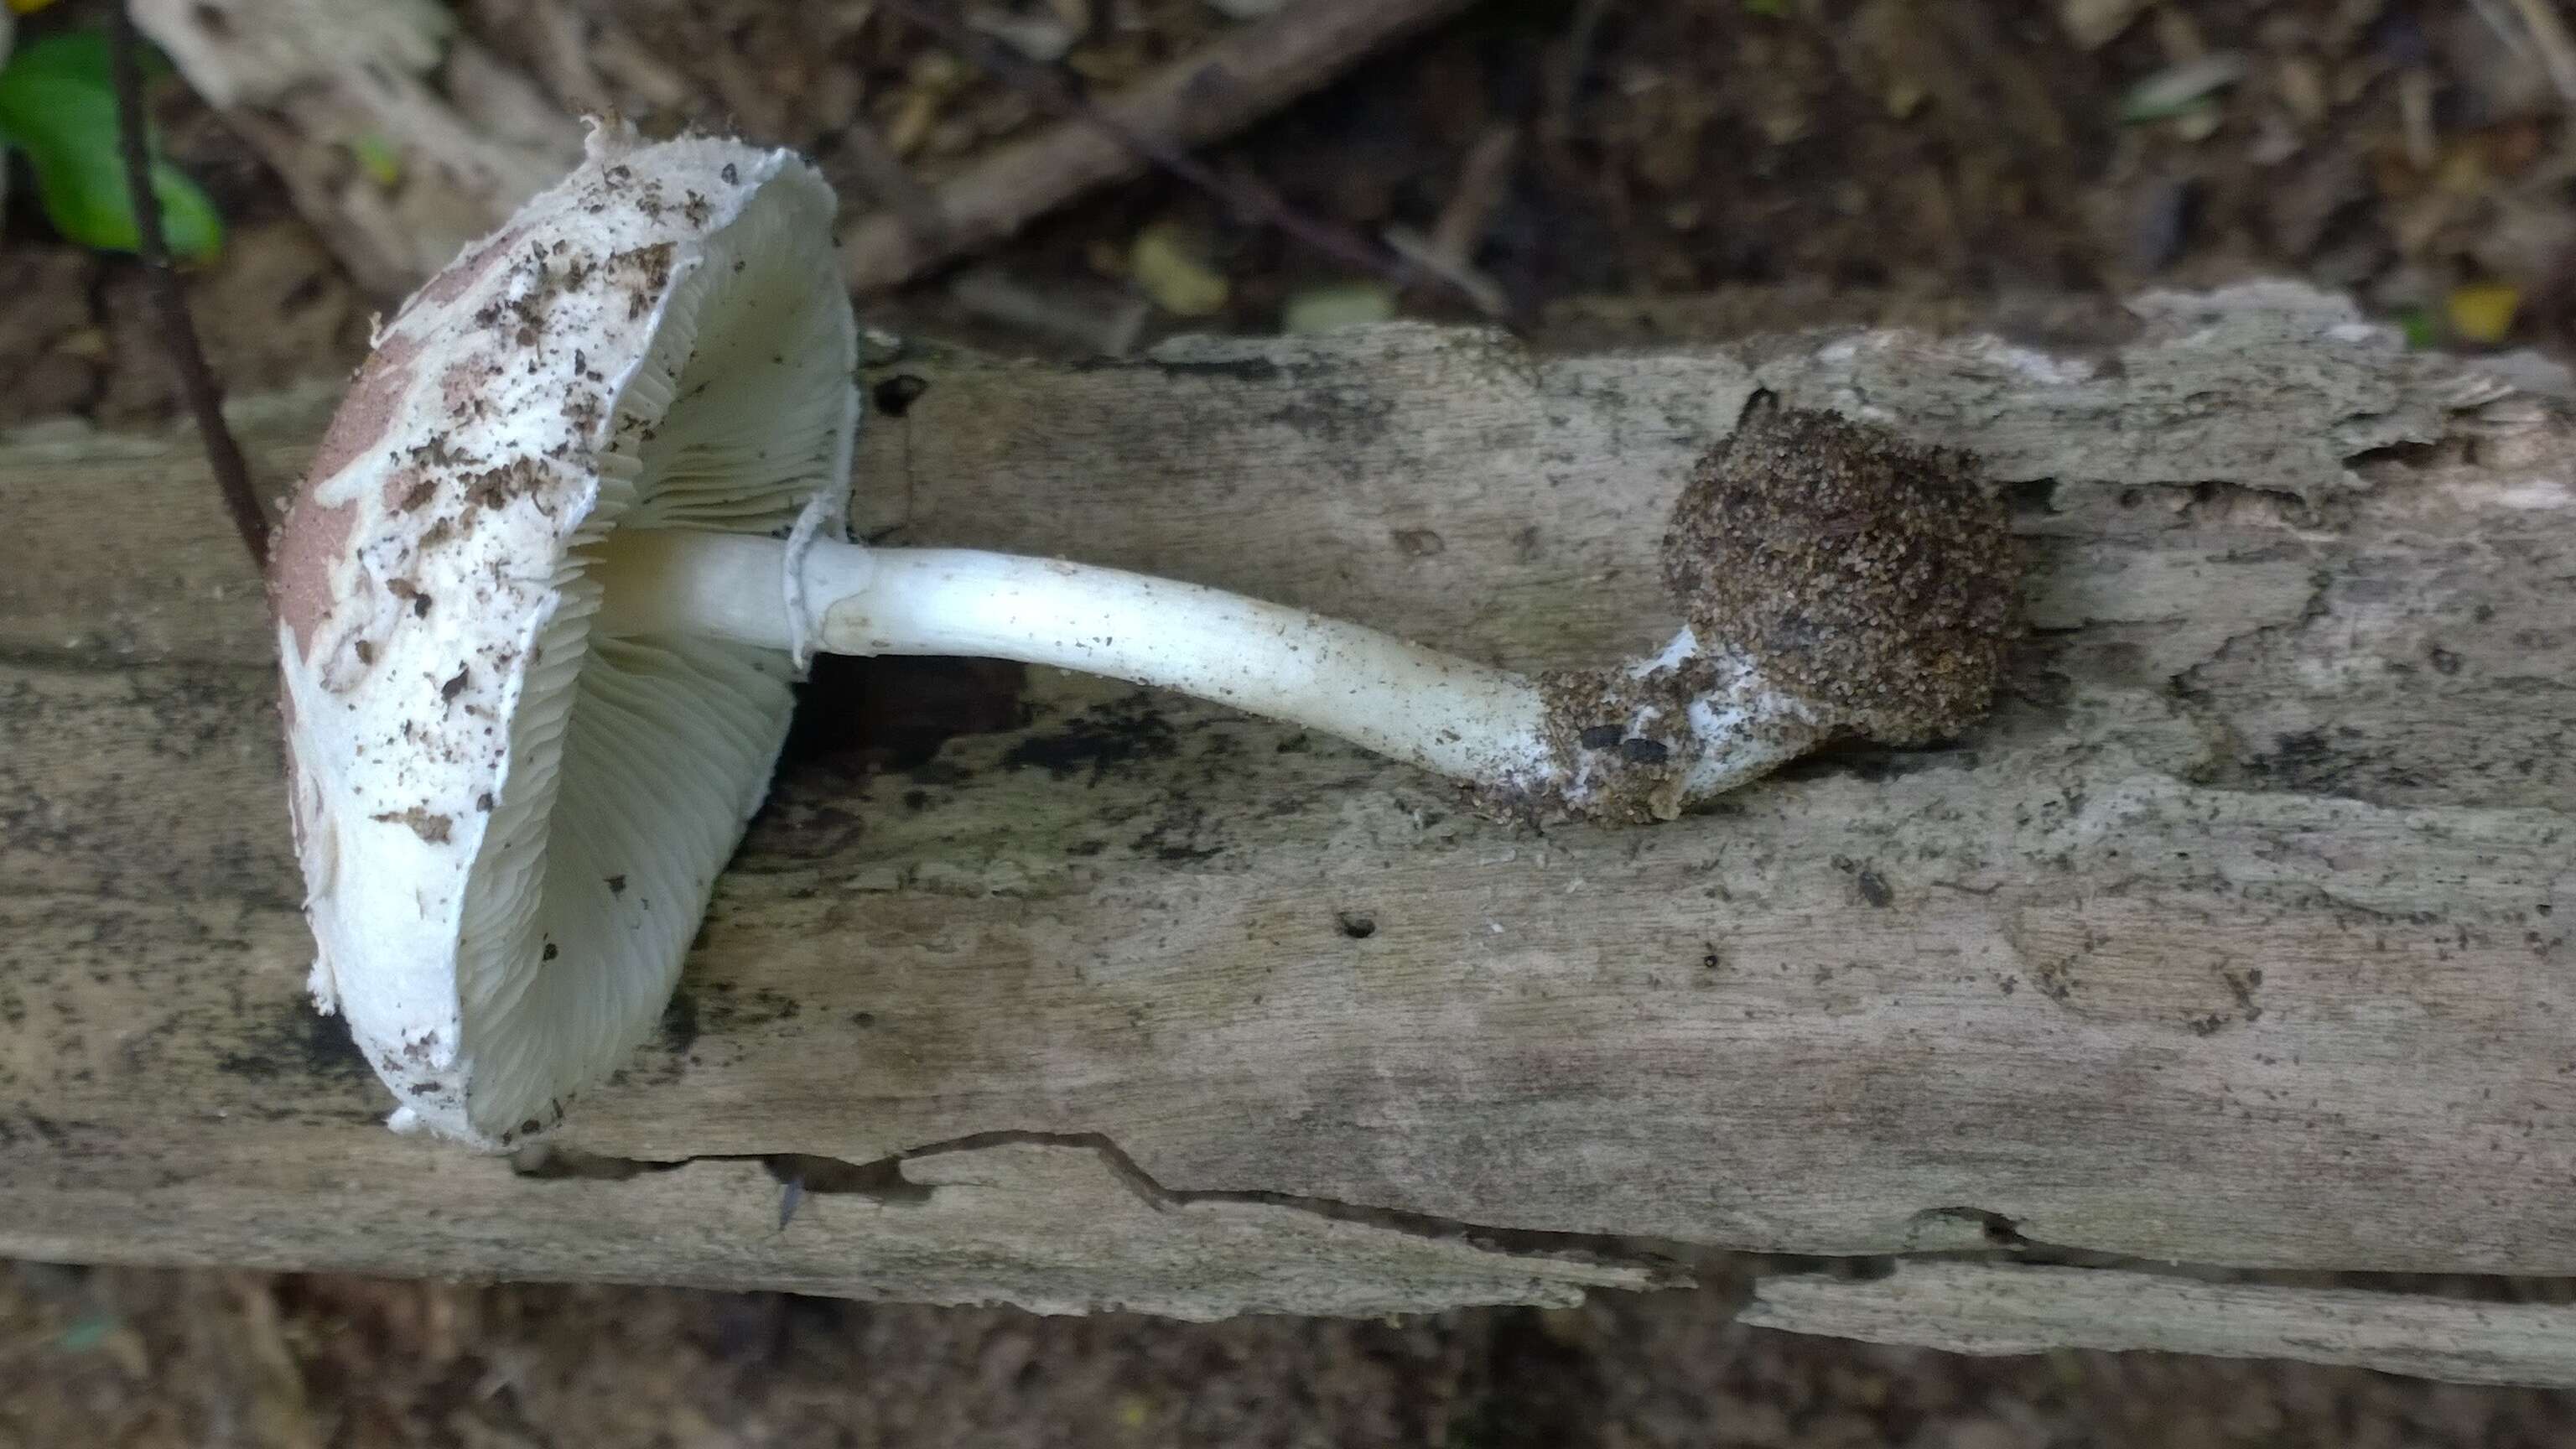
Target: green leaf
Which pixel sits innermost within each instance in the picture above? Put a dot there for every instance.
(2421, 330)
(379, 158)
(58, 105)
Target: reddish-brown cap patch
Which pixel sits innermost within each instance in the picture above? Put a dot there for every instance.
(367, 412)
(304, 561)
(465, 271)
(304, 564)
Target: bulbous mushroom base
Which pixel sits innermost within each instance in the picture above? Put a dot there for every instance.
(1840, 582)
(1873, 577)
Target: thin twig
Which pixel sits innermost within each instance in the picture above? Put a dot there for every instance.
(178, 332)
(1564, 80)
(2549, 33)
(1483, 182)
(1223, 87)
(889, 182)
(1425, 252)
(1449, 252)
(1049, 88)
(1103, 327)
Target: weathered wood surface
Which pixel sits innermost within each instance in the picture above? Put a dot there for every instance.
(2238, 936)
(1994, 1308)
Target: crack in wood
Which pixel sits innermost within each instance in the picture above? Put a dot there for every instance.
(882, 1180)
(1666, 1266)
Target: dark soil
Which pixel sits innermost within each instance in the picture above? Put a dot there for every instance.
(150, 1359)
(1798, 158)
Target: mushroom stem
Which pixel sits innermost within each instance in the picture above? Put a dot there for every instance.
(1512, 736)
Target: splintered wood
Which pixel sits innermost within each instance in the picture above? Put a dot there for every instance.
(2237, 936)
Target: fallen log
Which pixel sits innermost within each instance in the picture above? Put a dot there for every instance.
(2237, 937)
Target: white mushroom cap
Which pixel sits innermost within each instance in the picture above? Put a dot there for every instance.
(510, 821)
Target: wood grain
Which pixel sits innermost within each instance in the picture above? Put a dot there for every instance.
(2238, 936)
(1987, 1308)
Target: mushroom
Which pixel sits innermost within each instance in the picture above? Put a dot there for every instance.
(577, 529)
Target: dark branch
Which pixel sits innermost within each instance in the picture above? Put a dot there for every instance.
(178, 332)
(1250, 200)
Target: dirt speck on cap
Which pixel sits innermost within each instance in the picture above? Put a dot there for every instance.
(645, 273)
(426, 824)
(1873, 575)
(407, 489)
(463, 380)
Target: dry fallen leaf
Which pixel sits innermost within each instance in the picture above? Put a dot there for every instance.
(2482, 312)
(2093, 24)
(1167, 264)
(1336, 305)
